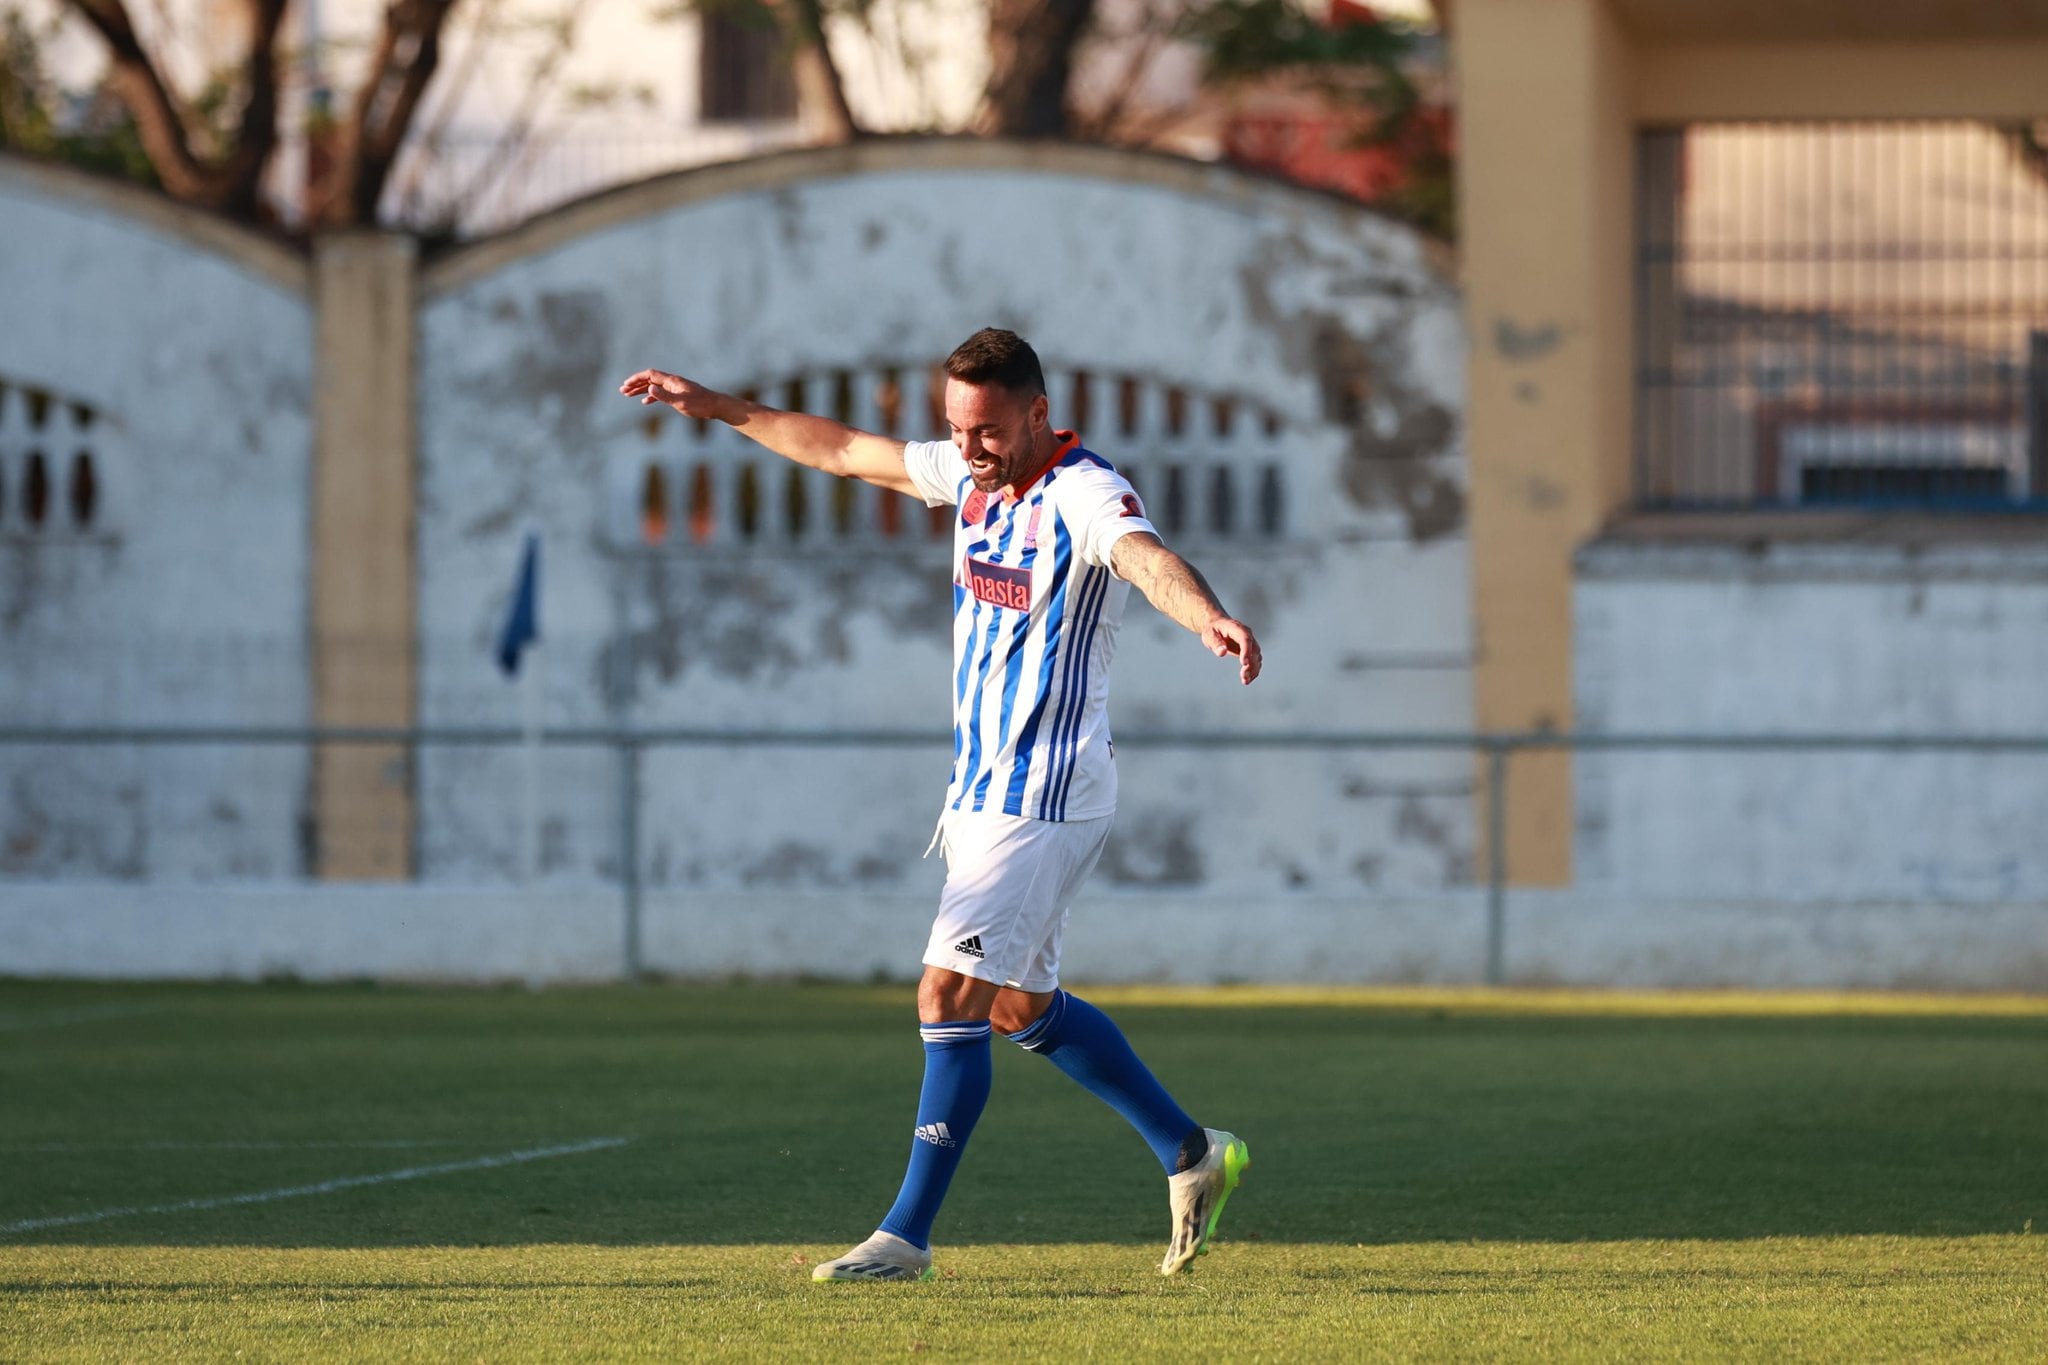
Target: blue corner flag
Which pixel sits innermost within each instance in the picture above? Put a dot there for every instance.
(522, 621)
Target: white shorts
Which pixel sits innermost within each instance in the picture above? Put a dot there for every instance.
(1009, 881)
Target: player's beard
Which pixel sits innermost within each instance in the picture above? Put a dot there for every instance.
(996, 478)
(1009, 469)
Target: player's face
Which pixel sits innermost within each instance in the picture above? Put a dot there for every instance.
(1000, 434)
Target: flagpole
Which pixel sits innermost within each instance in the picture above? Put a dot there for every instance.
(530, 723)
(521, 636)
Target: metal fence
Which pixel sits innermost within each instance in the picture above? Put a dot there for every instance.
(629, 746)
(1842, 313)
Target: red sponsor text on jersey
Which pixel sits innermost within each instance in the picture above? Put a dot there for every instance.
(998, 584)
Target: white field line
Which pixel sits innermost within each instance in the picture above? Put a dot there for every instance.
(381, 1144)
(323, 1187)
(92, 1014)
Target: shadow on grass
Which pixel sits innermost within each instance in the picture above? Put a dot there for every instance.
(781, 1116)
(114, 1286)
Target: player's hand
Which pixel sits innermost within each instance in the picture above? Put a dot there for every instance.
(686, 396)
(1226, 637)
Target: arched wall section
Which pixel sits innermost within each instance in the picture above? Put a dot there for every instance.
(171, 357)
(852, 269)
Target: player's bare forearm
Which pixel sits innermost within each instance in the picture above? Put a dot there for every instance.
(1169, 582)
(818, 442)
(1179, 591)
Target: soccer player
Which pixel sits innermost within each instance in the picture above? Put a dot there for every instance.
(1048, 540)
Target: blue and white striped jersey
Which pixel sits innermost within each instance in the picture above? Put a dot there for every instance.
(1035, 617)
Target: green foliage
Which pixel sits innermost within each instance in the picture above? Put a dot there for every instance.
(1365, 67)
(88, 129)
(1536, 1177)
(1246, 39)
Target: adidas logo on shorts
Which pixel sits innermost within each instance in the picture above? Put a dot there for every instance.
(971, 945)
(937, 1134)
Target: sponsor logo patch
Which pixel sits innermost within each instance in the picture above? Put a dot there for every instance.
(998, 584)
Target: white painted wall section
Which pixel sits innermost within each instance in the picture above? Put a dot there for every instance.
(1337, 323)
(177, 354)
(1872, 638)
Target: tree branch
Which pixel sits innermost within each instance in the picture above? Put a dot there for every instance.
(820, 94)
(446, 101)
(1145, 37)
(402, 63)
(516, 136)
(234, 183)
(256, 131)
(141, 87)
(1031, 56)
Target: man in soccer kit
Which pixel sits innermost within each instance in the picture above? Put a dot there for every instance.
(1047, 544)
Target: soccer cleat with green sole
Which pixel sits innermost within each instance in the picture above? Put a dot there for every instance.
(1198, 1195)
(883, 1256)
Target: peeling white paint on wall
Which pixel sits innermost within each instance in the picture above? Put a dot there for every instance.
(1213, 286)
(182, 599)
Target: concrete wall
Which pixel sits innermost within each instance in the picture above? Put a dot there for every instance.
(565, 934)
(1336, 325)
(1887, 635)
(1331, 338)
(176, 354)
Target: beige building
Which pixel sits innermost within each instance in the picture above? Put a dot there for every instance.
(1562, 105)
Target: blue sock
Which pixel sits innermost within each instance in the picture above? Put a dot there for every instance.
(956, 1081)
(1086, 1044)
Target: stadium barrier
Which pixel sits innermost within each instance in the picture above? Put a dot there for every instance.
(629, 746)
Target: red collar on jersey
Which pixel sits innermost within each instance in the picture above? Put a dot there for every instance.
(1068, 441)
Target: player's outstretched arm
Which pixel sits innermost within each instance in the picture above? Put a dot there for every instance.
(818, 442)
(1178, 589)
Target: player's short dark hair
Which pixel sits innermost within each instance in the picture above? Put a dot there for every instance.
(994, 356)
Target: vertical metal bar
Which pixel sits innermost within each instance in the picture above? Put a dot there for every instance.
(629, 850)
(414, 843)
(1496, 860)
(1644, 152)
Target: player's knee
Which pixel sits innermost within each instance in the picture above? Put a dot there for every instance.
(1014, 1010)
(950, 997)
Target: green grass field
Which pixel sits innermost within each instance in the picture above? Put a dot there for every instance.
(1446, 1175)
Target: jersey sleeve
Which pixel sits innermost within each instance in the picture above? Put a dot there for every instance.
(1101, 508)
(934, 468)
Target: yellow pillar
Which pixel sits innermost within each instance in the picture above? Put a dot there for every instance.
(1545, 172)
(1842, 79)
(363, 591)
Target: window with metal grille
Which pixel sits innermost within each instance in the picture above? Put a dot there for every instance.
(1842, 313)
(1208, 467)
(49, 469)
(742, 67)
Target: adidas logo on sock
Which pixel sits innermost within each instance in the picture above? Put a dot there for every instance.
(971, 945)
(937, 1134)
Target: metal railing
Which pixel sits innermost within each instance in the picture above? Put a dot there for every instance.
(1834, 314)
(630, 744)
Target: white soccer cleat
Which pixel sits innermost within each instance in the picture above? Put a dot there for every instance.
(884, 1256)
(1198, 1195)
